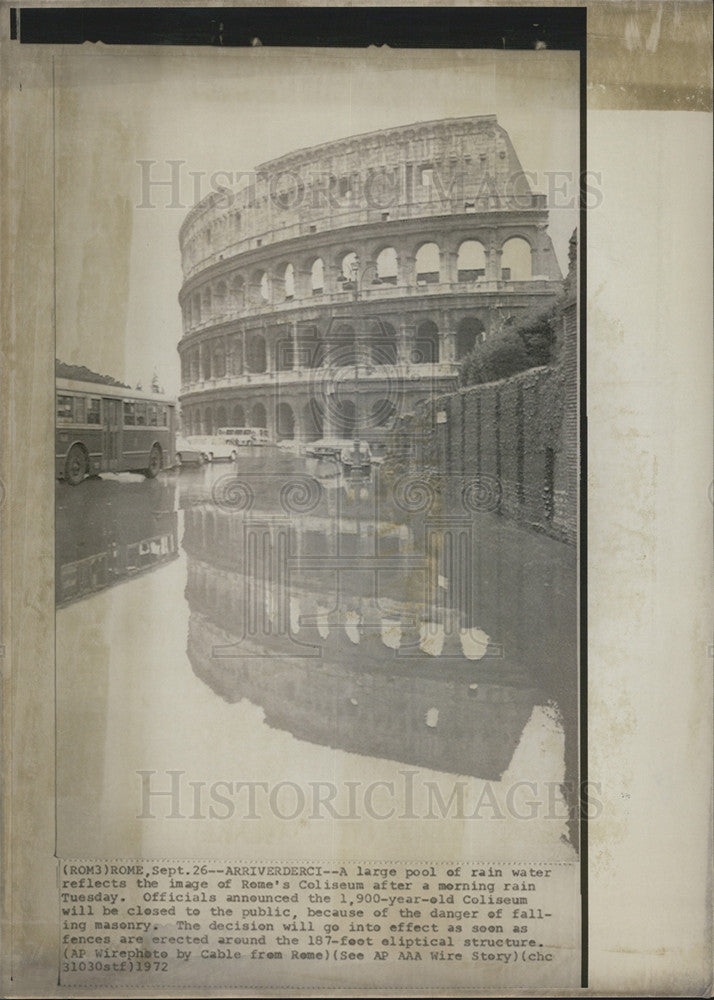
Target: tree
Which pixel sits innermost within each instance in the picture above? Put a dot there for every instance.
(528, 343)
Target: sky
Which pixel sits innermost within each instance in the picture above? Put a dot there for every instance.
(118, 263)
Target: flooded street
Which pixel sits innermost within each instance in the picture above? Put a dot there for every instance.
(273, 621)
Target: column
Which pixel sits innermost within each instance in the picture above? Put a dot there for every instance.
(447, 340)
(493, 263)
(302, 279)
(447, 265)
(405, 339)
(406, 270)
(296, 345)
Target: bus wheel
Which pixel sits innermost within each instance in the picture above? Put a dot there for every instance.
(154, 463)
(75, 465)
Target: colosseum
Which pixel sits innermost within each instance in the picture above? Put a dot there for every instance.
(345, 282)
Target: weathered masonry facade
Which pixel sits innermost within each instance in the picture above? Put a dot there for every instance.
(344, 283)
(516, 440)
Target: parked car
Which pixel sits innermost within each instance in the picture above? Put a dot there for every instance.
(217, 449)
(351, 454)
(189, 452)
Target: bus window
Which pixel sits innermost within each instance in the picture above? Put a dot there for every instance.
(164, 416)
(153, 415)
(79, 409)
(94, 411)
(129, 418)
(64, 409)
(141, 414)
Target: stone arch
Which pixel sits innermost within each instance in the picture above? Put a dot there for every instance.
(238, 415)
(317, 276)
(259, 288)
(206, 361)
(346, 259)
(382, 340)
(208, 426)
(284, 283)
(345, 418)
(237, 292)
(469, 330)
(387, 261)
(221, 417)
(218, 363)
(284, 422)
(313, 421)
(258, 416)
(470, 260)
(220, 299)
(428, 264)
(516, 259)
(256, 358)
(426, 348)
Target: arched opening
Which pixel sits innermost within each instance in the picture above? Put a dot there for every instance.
(234, 361)
(428, 264)
(259, 289)
(220, 297)
(288, 280)
(345, 418)
(516, 260)
(238, 293)
(206, 361)
(195, 367)
(219, 363)
(317, 276)
(471, 261)
(311, 350)
(208, 420)
(382, 339)
(382, 413)
(285, 423)
(221, 420)
(313, 421)
(342, 350)
(196, 308)
(206, 302)
(256, 359)
(283, 349)
(348, 267)
(387, 266)
(258, 416)
(469, 330)
(238, 416)
(426, 348)
(264, 286)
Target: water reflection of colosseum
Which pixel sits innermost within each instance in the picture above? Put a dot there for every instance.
(346, 282)
(329, 662)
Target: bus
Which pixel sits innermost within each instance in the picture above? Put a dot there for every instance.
(108, 428)
(127, 530)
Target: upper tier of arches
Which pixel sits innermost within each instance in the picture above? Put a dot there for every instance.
(359, 268)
